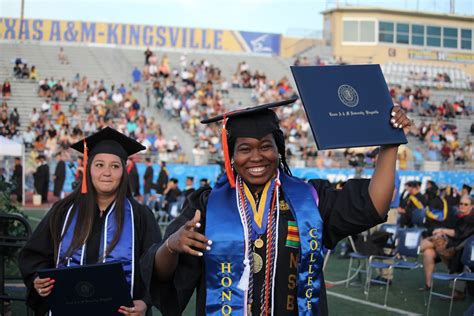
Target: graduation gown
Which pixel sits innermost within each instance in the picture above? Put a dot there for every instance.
(344, 212)
(17, 176)
(59, 177)
(41, 182)
(134, 181)
(38, 252)
(148, 180)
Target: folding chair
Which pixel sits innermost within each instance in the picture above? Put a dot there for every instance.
(363, 259)
(408, 246)
(467, 258)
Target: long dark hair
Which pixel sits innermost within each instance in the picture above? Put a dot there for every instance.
(86, 206)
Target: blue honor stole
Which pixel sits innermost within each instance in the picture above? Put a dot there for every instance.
(226, 265)
(123, 251)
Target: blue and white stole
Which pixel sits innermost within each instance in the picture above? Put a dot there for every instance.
(227, 264)
(124, 250)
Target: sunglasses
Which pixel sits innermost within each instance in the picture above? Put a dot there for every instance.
(464, 204)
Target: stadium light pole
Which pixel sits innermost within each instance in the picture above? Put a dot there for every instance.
(22, 16)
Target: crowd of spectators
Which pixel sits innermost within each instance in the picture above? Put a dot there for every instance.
(192, 90)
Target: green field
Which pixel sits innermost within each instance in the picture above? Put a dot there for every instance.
(403, 298)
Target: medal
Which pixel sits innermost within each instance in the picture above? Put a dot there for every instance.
(258, 243)
(257, 262)
(284, 206)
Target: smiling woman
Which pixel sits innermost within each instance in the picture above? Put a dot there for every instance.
(74, 231)
(253, 244)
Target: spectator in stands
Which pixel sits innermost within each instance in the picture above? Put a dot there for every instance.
(28, 137)
(147, 54)
(44, 89)
(46, 106)
(35, 116)
(442, 245)
(15, 117)
(6, 89)
(136, 77)
(25, 72)
(33, 73)
(62, 57)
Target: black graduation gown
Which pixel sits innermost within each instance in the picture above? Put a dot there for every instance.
(17, 177)
(41, 182)
(344, 212)
(406, 219)
(134, 181)
(38, 253)
(148, 180)
(59, 177)
(162, 181)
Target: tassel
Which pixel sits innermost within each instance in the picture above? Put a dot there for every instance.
(245, 278)
(84, 180)
(225, 148)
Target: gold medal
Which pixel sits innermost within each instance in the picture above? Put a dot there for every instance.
(284, 206)
(257, 263)
(258, 243)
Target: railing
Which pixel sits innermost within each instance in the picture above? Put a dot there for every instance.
(9, 242)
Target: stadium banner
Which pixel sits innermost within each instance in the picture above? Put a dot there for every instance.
(135, 35)
(212, 172)
(458, 57)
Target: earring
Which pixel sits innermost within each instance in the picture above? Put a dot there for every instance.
(232, 164)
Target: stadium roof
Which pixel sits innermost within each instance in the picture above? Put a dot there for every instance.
(447, 16)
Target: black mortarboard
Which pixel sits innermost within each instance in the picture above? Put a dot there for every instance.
(109, 141)
(255, 122)
(467, 187)
(106, 141)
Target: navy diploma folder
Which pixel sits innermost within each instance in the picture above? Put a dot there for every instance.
(347, 106)
(98, 289)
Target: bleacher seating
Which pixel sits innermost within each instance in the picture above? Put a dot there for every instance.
(402, 73)
(114, 66)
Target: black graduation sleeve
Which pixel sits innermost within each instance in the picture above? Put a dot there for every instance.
(37, 254)
(345, 212)
(172, 297)
(147, 233)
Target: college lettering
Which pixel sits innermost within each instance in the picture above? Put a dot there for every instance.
(313, 245)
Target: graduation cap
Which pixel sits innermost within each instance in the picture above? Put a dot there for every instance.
(106, 141)
(255, 122)
(467, 187)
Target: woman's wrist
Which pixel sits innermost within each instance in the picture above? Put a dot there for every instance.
(171, 251)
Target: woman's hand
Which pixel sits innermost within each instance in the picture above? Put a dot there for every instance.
(43, 286)
(139, 309)
(186, 238)
(399, 119)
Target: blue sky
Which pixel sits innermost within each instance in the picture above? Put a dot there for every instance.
(277, 16)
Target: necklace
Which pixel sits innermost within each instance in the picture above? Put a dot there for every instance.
(256, 261)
